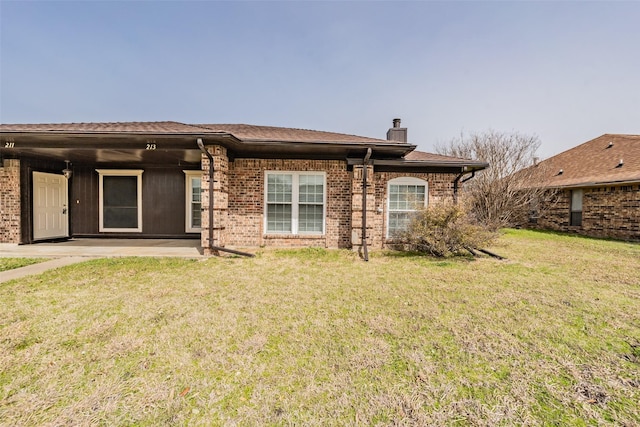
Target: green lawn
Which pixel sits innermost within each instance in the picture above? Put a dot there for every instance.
(550, 336)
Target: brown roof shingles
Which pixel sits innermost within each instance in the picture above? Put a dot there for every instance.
(241, 131)
(423, 155)
(166, 127)
(595, 162)
(272, 133)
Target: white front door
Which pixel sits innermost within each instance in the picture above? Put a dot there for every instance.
(50, 211)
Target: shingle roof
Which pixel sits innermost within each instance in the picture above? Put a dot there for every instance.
(167, 127)
(241, 131)
(272, 133)
(422, 155)
(595, 162)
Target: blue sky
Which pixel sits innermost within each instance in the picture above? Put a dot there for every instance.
(565, 71)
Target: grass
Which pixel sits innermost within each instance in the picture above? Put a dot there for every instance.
(315, 337)
(11, 263)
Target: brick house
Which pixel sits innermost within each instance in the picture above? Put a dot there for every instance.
(271, 186)
(594, 189)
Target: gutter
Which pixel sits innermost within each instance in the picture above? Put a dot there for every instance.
(365, 172)
(211, 247)
(469, 164)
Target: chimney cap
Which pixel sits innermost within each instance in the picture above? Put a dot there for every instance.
(396, 122)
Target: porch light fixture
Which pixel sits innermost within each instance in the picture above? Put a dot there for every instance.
(66, 171)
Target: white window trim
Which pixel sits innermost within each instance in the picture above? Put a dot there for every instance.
(404, 180)
(119, 172)
(189, 174)
(295, 202)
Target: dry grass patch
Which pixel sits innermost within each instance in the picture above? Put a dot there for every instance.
(315, 337)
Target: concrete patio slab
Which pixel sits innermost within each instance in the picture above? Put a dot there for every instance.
(188, 248)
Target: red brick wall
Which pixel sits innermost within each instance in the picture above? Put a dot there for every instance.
(440, 189)
(239, 202)
(10, 201)
(246, 203)
(611, 211)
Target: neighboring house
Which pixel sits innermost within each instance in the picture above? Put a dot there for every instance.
(594, 189)
(271, 186)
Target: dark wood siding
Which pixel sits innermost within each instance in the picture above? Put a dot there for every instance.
(83, 201)
(163, 202)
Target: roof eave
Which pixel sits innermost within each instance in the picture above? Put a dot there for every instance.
(597, 183)
(466, 166)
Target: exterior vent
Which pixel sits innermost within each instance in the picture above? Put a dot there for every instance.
(396, 133)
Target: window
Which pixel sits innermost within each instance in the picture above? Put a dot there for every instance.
(120, 198)
(295, 202)
(193, 202)
(576, 208)
(405, 196)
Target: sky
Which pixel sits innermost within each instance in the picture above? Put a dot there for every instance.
(567, 72)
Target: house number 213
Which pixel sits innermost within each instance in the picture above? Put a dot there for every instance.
(151, 146)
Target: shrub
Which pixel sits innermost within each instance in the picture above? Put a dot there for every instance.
(443, 230)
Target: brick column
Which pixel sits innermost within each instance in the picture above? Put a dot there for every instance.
(10, 201)
(220, 197)
(356, 207)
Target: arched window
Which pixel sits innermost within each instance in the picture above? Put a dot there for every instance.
(405, 195)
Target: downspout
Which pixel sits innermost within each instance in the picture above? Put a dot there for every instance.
(213, 248)
(365, 163)
(455, 187)
(457, 181)
(473, 173)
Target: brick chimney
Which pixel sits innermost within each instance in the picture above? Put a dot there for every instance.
(396, 133)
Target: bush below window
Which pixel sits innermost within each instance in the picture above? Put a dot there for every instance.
(443, 230)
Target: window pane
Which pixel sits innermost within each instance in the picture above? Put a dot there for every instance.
(406, 197)
(576, 201)
(398, 221)
(196, 215)
(576, 219)
(279, 188)
(310, 219)
(120, 201)
(403, 200)
(279, 218)
(196, 189)
(311, 189)
(120, 191)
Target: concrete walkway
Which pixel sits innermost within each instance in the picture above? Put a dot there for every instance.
(78, 250)
(39, 268)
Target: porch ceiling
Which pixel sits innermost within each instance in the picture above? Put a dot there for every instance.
(105, 155)
(104, 149)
